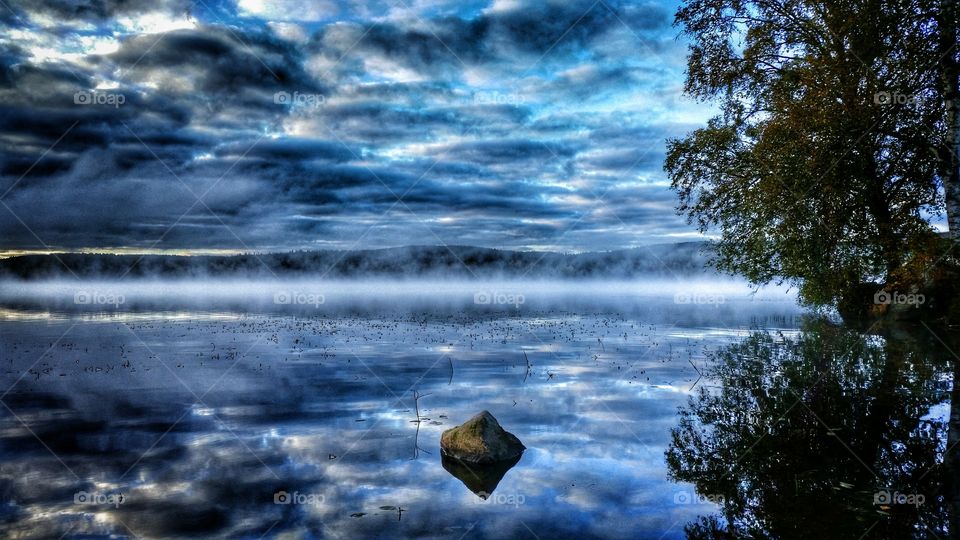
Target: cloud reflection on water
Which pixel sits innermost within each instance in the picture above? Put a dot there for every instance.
(200, 421)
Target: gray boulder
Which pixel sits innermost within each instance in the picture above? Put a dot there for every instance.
(480, 440)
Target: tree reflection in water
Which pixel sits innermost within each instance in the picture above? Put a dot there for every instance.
(825, 434)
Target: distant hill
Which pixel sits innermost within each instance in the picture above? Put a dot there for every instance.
(461, 262)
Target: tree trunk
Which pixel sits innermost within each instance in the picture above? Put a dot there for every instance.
(950, 75)
(879, 207)
(951, 460)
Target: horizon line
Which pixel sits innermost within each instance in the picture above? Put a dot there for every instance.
(230, 252)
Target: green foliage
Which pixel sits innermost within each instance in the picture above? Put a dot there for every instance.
(808, 173)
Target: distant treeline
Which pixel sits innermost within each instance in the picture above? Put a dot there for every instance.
(461, 262)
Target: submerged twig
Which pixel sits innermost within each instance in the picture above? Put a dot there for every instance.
(416, 436)
(416, 403)
(527, 374)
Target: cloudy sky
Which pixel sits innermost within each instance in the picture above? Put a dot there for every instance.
(254, 125)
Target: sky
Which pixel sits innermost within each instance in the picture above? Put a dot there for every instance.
(248, 125)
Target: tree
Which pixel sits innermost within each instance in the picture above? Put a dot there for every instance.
(948, 51)
(828, 151)
(802, 435)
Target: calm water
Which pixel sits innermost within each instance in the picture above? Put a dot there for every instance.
(168, 416)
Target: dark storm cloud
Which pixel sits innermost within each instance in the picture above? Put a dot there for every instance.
(216, 60)
(593, 83)
(507, 152)
(383, 121)
(569, 26)
(446, 45)
(390, 123)
(93, 10)
(47, 117)
(401, 92)
(292, 148)
(305, 180)
(505, 124)
(22, 164)
(447, 169)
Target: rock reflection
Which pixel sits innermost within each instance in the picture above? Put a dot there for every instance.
(832, 434)
(480, 479)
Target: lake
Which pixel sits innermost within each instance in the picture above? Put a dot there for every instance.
(314, 410)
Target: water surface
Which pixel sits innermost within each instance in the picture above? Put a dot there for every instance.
(235, 415)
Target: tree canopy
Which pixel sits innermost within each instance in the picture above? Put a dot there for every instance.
(834, 141)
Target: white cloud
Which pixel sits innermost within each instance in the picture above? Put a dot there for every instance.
(289, 31)
(287, 10)
(155, 22)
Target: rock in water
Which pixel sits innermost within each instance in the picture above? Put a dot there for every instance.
(480, 440)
